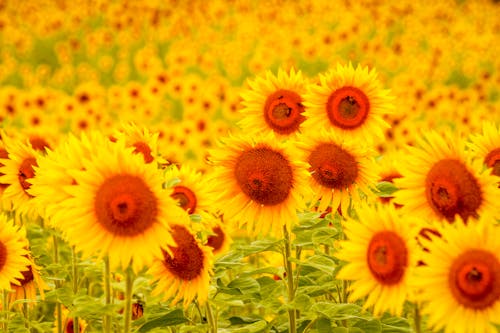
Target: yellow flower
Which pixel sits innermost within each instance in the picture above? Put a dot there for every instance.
(459, 284)
(349, 101)
(486, 146)
(261, 182)
(274, 103)
(380, 252)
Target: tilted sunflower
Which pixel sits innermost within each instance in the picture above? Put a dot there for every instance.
(274, 103)
(13, 254)
(141, 139)
(117, 207)
(486, 146)
(459, 284)
(16, 172)
(29, 285)
(260, 182)
(349, 101)
(184, 271)
(340, 168)
(440, 181)
(381, 253)
(219, 237)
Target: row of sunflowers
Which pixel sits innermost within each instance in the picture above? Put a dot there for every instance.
(243, 166)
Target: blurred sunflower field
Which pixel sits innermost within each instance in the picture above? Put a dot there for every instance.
(250, 166)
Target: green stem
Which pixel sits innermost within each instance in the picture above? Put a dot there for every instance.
(26, 311)
(58, 285)
(417, 319)
(76, 324)
(129, 282)
(289, 276)
(107, 294)
(211, 319)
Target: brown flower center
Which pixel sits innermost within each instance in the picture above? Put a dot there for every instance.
(26, 172)
(39, 143)
(474, 279)
(125, 205)
(348, 107)
(387, 257)
(265, 175)
(216, 241)
(185, 197)
(143, 148)
(283, 111)
(3, 255)
(70, 326)
(451, 189)
(187, 260)
(27, 276)
(492, 160)
(332, 166)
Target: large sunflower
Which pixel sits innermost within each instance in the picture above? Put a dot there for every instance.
(339, 168)
(486, 146)
(260, 182)
(350, 101)
(13, 254)
(119, 208)
(16, 172)
(274, 103)
(460, 281)
(440, 181)
(184, 273)
(380, 252)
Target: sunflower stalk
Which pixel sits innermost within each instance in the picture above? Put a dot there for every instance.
(290, 280)
(58, 285)
(211, 319)
(129, 283)
(417, 320)
(76, 324)
(107, 294)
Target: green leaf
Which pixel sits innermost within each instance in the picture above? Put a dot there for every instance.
(342, 311)
(369, 326)
(245, 285)
(242, 320)
(260, 246)
(394, 324)
(172, 318)
(255, 327)
(324, 325)
(386, 189)
(320, 262)
(324, 235)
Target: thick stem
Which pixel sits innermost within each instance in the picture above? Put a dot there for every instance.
(417, 320)
(58, 285)
(212, 322)
(290, 282)
(107, 294)
(129, 282)
(76, 324)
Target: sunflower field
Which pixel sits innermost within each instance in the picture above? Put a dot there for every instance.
(246, 166)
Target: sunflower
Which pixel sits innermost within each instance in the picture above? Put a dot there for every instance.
(459, 284)
(219, 237)
(260, 182)
(17, 170)
(440, 181)
(339, 169)
(68, 323)
(13, 254)
(192, 190)
(274, 103)
(486, 146)
(380, 252)
(185, 271)
(350, 101)
(143, 141)
(387, 170)
(29, 284)
(118, 208)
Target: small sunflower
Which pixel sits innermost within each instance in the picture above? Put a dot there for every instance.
(219, 237)
(380, 252)
(17, 171)
(13, 254)
(459, 284)
(440, 181)
(261, 182)
(387, 170)
(29, 284)
(184, 273)
(350, 101)
(192, 191)
(119, 208)
(486, 146)
(339, 168)
(68, 323)
(274, 103)
(143, 141)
